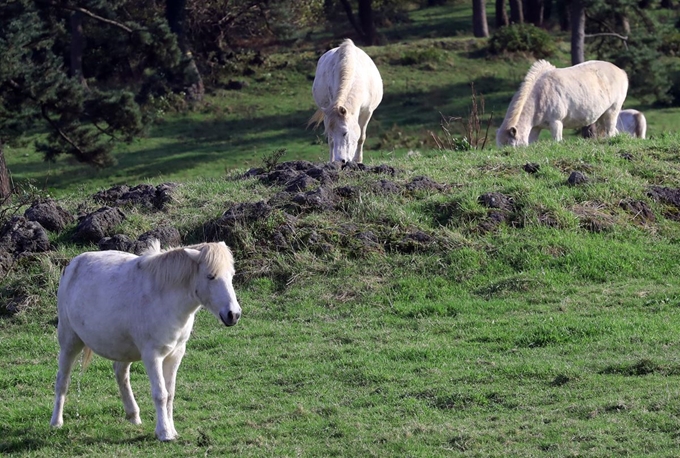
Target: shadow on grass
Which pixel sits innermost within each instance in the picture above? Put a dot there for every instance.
(208, 146)
(20, 440)
(434, 22)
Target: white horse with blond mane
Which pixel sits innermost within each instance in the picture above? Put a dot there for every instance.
(347, 89)
(557, 98)
(126, 308)
(632, 122)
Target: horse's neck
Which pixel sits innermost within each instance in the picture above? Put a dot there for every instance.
(180, 301)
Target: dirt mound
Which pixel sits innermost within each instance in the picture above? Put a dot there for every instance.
(144, 195)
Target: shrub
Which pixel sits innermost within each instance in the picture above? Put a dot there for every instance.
(522, 38)
(422, 56)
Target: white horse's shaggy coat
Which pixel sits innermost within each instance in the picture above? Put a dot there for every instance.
(126, 308)
(572, 97)
(347, 89)
(632, 122)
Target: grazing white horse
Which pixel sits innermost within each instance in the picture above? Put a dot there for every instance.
(632, 122)
(557, 98)
(347, 89)
(126, 308)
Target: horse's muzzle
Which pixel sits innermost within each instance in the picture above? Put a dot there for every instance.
(231, 318)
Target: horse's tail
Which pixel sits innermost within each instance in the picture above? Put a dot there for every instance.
(640, 125)
(87, 357)
(316, 119)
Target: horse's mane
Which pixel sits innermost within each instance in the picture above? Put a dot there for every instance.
(517, 104)
(346, 55)
(176, 266)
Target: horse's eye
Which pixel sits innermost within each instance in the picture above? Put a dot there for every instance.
(212, 277)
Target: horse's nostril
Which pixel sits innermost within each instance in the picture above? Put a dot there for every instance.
(231, 316)
(344, 161)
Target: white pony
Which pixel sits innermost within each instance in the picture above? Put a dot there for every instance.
(126, 308)
(632, 122)
(347, 89)
(572, 97)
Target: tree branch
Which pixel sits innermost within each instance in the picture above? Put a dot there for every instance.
(92, 15)
(43, 111)
(607, 34)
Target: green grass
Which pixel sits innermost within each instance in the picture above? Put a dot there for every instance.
(527, 340)
(554, 333)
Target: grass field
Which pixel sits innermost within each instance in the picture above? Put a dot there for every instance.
(545, 327)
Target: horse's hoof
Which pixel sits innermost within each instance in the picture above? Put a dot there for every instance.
(134, 419)
(166, 436)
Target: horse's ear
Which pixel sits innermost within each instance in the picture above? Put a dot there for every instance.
(195, 255)
(342, 110)
(512, 132)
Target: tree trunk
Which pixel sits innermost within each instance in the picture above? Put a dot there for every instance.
(77, 44)
(367, 24)
(350, 17)
(578, 27)
(479, 26)
(547, 10)
(5, 183)
(516, 13)
(501, 14)
(534, 12)
(175, 13)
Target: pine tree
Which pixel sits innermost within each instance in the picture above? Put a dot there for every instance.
(37, 92)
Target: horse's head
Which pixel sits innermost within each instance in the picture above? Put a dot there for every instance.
(213, 282)
(343, 133)
(509, 136)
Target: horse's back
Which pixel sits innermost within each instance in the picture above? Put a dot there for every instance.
(331, 67)
(95, 273)
(581, 94)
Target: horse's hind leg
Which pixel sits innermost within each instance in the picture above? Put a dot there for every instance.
(607, 123)
(122, 371)
(70, 346)
(170, 367)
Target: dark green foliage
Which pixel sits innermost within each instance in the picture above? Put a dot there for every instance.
(641, 47)
(524, 38)
(648, 74)
(83, 120)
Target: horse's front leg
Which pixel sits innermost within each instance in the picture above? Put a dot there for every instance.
(122, 371)
(70, 346)
(556, 130)
(534, 133)
(170, 368)
(364, 117)
(154, 369)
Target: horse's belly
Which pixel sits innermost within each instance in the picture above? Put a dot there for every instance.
(125, 353)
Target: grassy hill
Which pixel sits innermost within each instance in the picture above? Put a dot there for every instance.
(433, 303)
